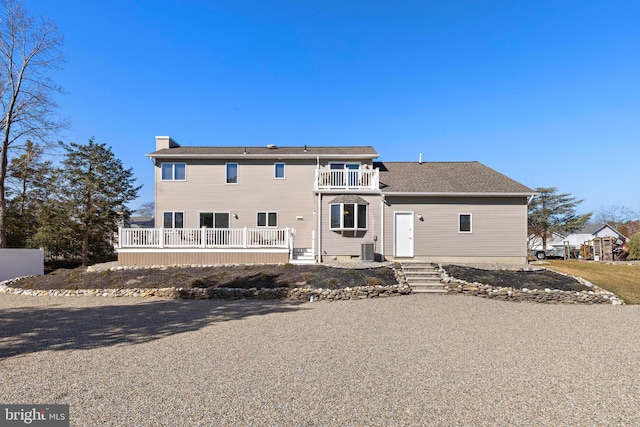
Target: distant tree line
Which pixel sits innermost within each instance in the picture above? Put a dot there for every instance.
(73, 210)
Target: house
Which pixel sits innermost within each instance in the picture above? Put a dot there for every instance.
(315, 204)
(590, 232)
(143, 221)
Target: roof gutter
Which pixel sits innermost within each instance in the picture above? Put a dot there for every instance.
(263, 156)
(457, 194)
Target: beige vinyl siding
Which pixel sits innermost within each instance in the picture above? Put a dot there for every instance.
(499, 226)
(345, 243)
(169, 257)
(205, 190)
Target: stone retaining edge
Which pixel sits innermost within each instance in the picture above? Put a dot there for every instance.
(550, 296)
(293, 294)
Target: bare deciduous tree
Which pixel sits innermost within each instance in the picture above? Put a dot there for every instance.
(616, 216)
(147, 208)
(29, 50)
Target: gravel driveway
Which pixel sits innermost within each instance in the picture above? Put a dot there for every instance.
(412, 360)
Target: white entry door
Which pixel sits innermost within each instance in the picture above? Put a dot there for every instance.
(403, 234)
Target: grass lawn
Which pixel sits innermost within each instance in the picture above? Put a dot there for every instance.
(622, 280)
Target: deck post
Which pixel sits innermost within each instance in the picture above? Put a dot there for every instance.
(161, 237)
(203, 237)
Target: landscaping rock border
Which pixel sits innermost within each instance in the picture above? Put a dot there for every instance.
(293, 294)
(451, 285)
(303, 292)
(549, 296)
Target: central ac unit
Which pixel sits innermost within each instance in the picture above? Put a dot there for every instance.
(367, 252)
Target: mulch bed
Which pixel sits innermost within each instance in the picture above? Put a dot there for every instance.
(537, 279)
(256, 276)
(278, 276)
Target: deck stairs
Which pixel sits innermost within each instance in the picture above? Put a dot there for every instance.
(303, 256)
(423, 277)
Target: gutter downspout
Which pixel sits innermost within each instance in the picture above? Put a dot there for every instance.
(319, 210)
(383, 201)
(526, 244)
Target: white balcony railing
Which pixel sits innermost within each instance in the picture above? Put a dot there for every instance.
(206, 238)
(347, 179)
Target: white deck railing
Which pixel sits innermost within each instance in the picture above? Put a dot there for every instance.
(351, 179)
(205, 238)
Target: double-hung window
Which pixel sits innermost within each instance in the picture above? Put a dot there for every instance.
(348, 216)
(464, 223)
(278, 170)
(173, 219)
(267, 219)
(232, 173)
(174, 171)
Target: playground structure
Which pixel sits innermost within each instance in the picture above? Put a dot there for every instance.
(597, 249)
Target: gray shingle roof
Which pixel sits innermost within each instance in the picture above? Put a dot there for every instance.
(349, 198)
(445, 177)
(301, 152)
(591, 229)
(595, 228)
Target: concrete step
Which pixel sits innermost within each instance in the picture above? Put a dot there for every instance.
(303, 256)
(422, 274)
(423, 277)
(425, 282)
(418, 267)
(302, 261)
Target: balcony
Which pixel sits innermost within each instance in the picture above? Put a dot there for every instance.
(347, 179)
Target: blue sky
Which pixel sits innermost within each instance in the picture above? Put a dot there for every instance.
(546, 92)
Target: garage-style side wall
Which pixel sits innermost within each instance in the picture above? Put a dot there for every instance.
(499, 228)
(205, 190)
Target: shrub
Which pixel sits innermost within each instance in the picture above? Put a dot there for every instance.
(307, 277)
(373, 281)
(198, 283)
(634, 247)
(332, 283)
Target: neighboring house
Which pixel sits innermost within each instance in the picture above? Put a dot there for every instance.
(591, 231)
(145, 221)
(281, 204)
